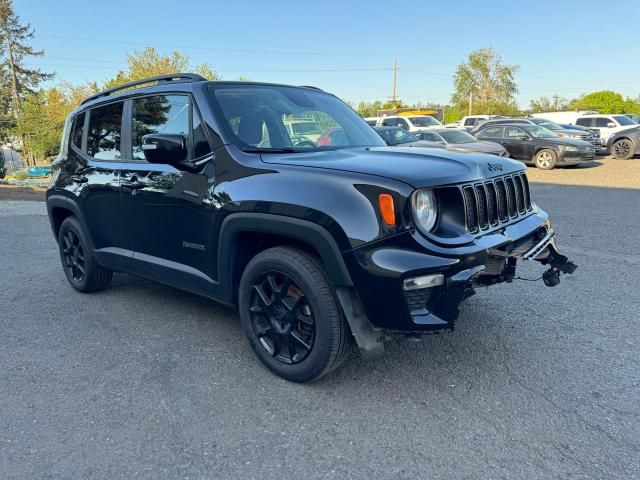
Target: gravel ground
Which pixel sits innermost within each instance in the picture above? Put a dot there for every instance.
(20, 193)
(144, 381)
(604, 172)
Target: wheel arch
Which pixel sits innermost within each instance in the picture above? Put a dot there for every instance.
(243, 235)
(59, 207)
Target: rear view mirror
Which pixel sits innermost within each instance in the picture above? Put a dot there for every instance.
(164, 148)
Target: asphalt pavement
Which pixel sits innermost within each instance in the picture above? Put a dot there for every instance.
(144, 381)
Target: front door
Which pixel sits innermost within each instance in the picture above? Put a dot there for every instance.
(168, 212)
(514, 141)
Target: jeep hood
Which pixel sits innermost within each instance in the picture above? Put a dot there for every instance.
(418, 167)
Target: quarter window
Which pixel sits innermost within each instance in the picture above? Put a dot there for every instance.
(78, 130)
(103, 137)
(158, 114)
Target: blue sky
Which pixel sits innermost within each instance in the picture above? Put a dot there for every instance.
(566, 47)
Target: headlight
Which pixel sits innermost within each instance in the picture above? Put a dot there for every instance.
(570, 148)
(425, 210)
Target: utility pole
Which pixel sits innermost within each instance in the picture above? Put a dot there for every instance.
(470, 102)
(395, 76)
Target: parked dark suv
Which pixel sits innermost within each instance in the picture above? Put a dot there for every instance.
(198, 185)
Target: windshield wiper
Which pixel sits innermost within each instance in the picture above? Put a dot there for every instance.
(269, 150)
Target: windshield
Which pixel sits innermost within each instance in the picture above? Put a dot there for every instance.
(548, 124)
(396, 136)
(624, 120)
(257, 116)
(538, 132)
(425, 121)
(457, 137)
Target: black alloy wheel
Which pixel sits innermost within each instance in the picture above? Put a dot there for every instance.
(73, 254)
(282, 318)
(623, 149)
(290, 314)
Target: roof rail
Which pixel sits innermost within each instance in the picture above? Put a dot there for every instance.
(173, 77)
(312, 87)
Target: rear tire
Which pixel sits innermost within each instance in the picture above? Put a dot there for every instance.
(545, 159)
(290, 315)
(623, 149)
(79, 265)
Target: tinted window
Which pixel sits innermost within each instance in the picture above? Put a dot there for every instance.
(491, 132)
(624, 120)
(602, 122)
(78, 130)
(201, 145)
(513, 132)
(431, 137)
(457, 136)
(470, 122)
(585, 122)
(426, 121)
(103, 137)
(158, 114)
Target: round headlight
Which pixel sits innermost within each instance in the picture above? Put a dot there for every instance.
(425, 210)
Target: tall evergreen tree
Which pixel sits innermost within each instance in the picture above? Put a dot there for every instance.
(15, 77)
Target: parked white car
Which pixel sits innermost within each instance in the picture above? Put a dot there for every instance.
(470, 121)
(415, 123)
(563, 117)
(607, 125)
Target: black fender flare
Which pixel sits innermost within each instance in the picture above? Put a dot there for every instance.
(66, 203)
(301, 230)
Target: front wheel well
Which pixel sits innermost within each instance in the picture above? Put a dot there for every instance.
(249, 244)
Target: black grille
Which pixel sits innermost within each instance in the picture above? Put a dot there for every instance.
(471, 210)
(511, 197)
(494, 202)
(417, 300)
(481, 198)
(502, 201)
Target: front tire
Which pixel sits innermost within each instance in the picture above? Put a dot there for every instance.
(80, 267)
(290, 315)
(545, 159)
(623, 149)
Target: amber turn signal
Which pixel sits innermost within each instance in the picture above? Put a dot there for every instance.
(386, 209)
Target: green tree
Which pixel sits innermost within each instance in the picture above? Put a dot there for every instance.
(487, 81)
(15, 48)
(149, 63)
(605, 101)
(42, 115)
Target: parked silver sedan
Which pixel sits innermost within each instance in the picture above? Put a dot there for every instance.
(460, 140)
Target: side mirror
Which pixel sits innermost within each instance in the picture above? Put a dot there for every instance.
(167, 148)
(524, 137)
(611, 125)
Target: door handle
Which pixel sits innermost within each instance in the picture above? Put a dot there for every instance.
(133, 184)
(78, 178)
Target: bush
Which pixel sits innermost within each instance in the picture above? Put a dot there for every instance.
(20, 175)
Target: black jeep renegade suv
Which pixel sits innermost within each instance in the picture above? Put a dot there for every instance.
(315, 234)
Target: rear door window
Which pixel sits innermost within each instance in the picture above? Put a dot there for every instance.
(103, 135)
(584, 122)
(602, 122)
(491, 132)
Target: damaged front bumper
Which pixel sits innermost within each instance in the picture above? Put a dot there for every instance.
(387, 276)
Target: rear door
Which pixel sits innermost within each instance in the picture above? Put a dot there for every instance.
(168, 212)
(492, 134)
(94, 176)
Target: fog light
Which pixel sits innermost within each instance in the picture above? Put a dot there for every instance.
(427, 281)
